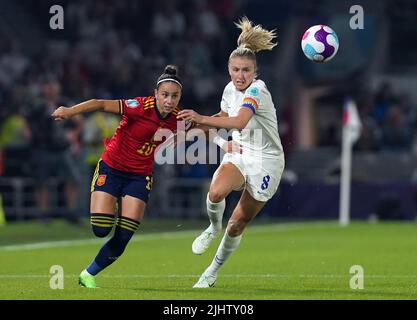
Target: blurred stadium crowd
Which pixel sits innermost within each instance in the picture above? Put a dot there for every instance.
(110, 50)
(116, 49)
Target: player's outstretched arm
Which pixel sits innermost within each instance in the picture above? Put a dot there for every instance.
(212, 136)
(206, 128)
(63, 113)
(237, 122)
(176, 139)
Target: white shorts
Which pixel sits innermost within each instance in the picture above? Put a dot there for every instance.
(262, 175)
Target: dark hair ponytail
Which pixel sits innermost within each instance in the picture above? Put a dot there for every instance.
(170, 74)
(171, 70)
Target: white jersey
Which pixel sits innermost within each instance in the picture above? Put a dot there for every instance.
(259, 100)
(262, 160)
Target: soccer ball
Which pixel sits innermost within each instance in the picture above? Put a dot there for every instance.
(320, 43)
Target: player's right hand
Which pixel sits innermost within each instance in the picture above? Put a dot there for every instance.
(62, 113)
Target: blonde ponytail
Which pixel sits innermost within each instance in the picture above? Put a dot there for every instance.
(252, 39)
(255, 37)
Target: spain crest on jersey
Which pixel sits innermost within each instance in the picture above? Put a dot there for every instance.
(101, 180)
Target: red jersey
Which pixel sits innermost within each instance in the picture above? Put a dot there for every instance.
(132, 146)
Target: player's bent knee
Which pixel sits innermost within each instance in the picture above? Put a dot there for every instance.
(102, 224)
(216, 195)
(101, 232)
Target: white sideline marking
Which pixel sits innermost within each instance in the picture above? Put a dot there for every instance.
(141, 237)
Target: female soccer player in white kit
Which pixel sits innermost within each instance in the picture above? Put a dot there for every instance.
(246, 106)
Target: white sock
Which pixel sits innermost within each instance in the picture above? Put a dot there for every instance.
(85, 272)
(226, 248)
(215, 213)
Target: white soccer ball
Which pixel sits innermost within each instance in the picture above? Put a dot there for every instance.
(320, 43)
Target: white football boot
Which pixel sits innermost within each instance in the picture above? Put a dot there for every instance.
(203, 241)
(205, 281)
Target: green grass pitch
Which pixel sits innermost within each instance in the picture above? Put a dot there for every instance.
(306, 260)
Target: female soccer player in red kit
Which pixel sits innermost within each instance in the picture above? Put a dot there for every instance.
(124, 171)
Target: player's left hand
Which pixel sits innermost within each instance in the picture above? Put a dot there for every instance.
(62, 113)
(190, 115)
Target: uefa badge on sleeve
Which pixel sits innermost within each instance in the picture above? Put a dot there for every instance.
(132, 103)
